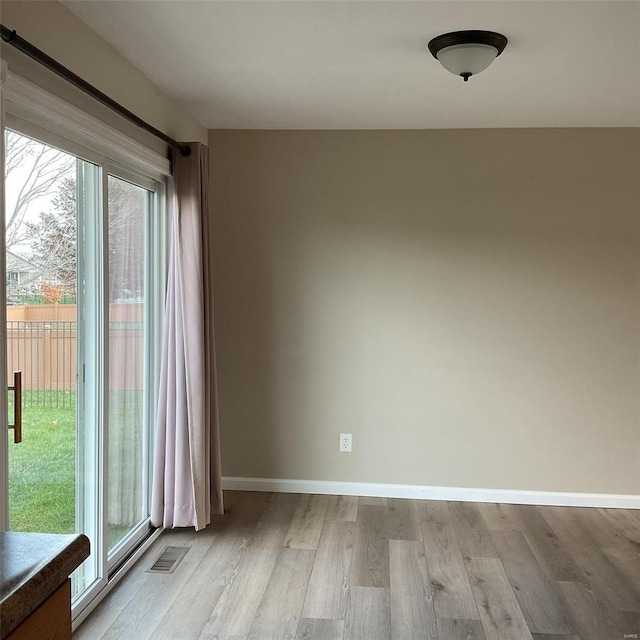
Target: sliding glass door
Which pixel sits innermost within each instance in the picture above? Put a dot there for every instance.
(130, 389)
(82, 310)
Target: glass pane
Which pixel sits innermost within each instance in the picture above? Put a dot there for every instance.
(48, 479)
(41, 332)
(128, 206)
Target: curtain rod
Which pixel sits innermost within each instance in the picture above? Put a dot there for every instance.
(12, 38)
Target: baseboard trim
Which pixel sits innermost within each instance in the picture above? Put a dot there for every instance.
(367, 489)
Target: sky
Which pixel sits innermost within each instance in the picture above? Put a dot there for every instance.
(15, 182)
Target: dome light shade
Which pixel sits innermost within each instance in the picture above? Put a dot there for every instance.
(467, 53)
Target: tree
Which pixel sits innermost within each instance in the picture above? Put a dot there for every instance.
(54, 244)
(32, 171)
(127, 204)
(53, 239)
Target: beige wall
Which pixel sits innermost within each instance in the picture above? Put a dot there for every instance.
(53, 28)
(466, 303)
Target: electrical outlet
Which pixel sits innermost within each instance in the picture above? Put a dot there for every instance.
(345, 442)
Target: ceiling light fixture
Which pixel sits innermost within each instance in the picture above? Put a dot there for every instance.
(466, 53)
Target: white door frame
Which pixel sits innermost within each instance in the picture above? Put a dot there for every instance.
(4, 451)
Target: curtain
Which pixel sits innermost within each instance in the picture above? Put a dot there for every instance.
(186, 483)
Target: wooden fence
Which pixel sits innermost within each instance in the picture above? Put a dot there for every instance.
(42, 342)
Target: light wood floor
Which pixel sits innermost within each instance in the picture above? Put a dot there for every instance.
(286, 566)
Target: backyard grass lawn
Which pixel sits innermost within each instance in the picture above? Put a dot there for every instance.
(42, 468)
(42, 471)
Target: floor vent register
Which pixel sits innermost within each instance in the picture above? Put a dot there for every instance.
(168, 560)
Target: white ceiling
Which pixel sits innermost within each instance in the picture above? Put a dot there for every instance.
(365, 64)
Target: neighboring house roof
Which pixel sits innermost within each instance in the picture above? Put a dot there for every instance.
(16, 263)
